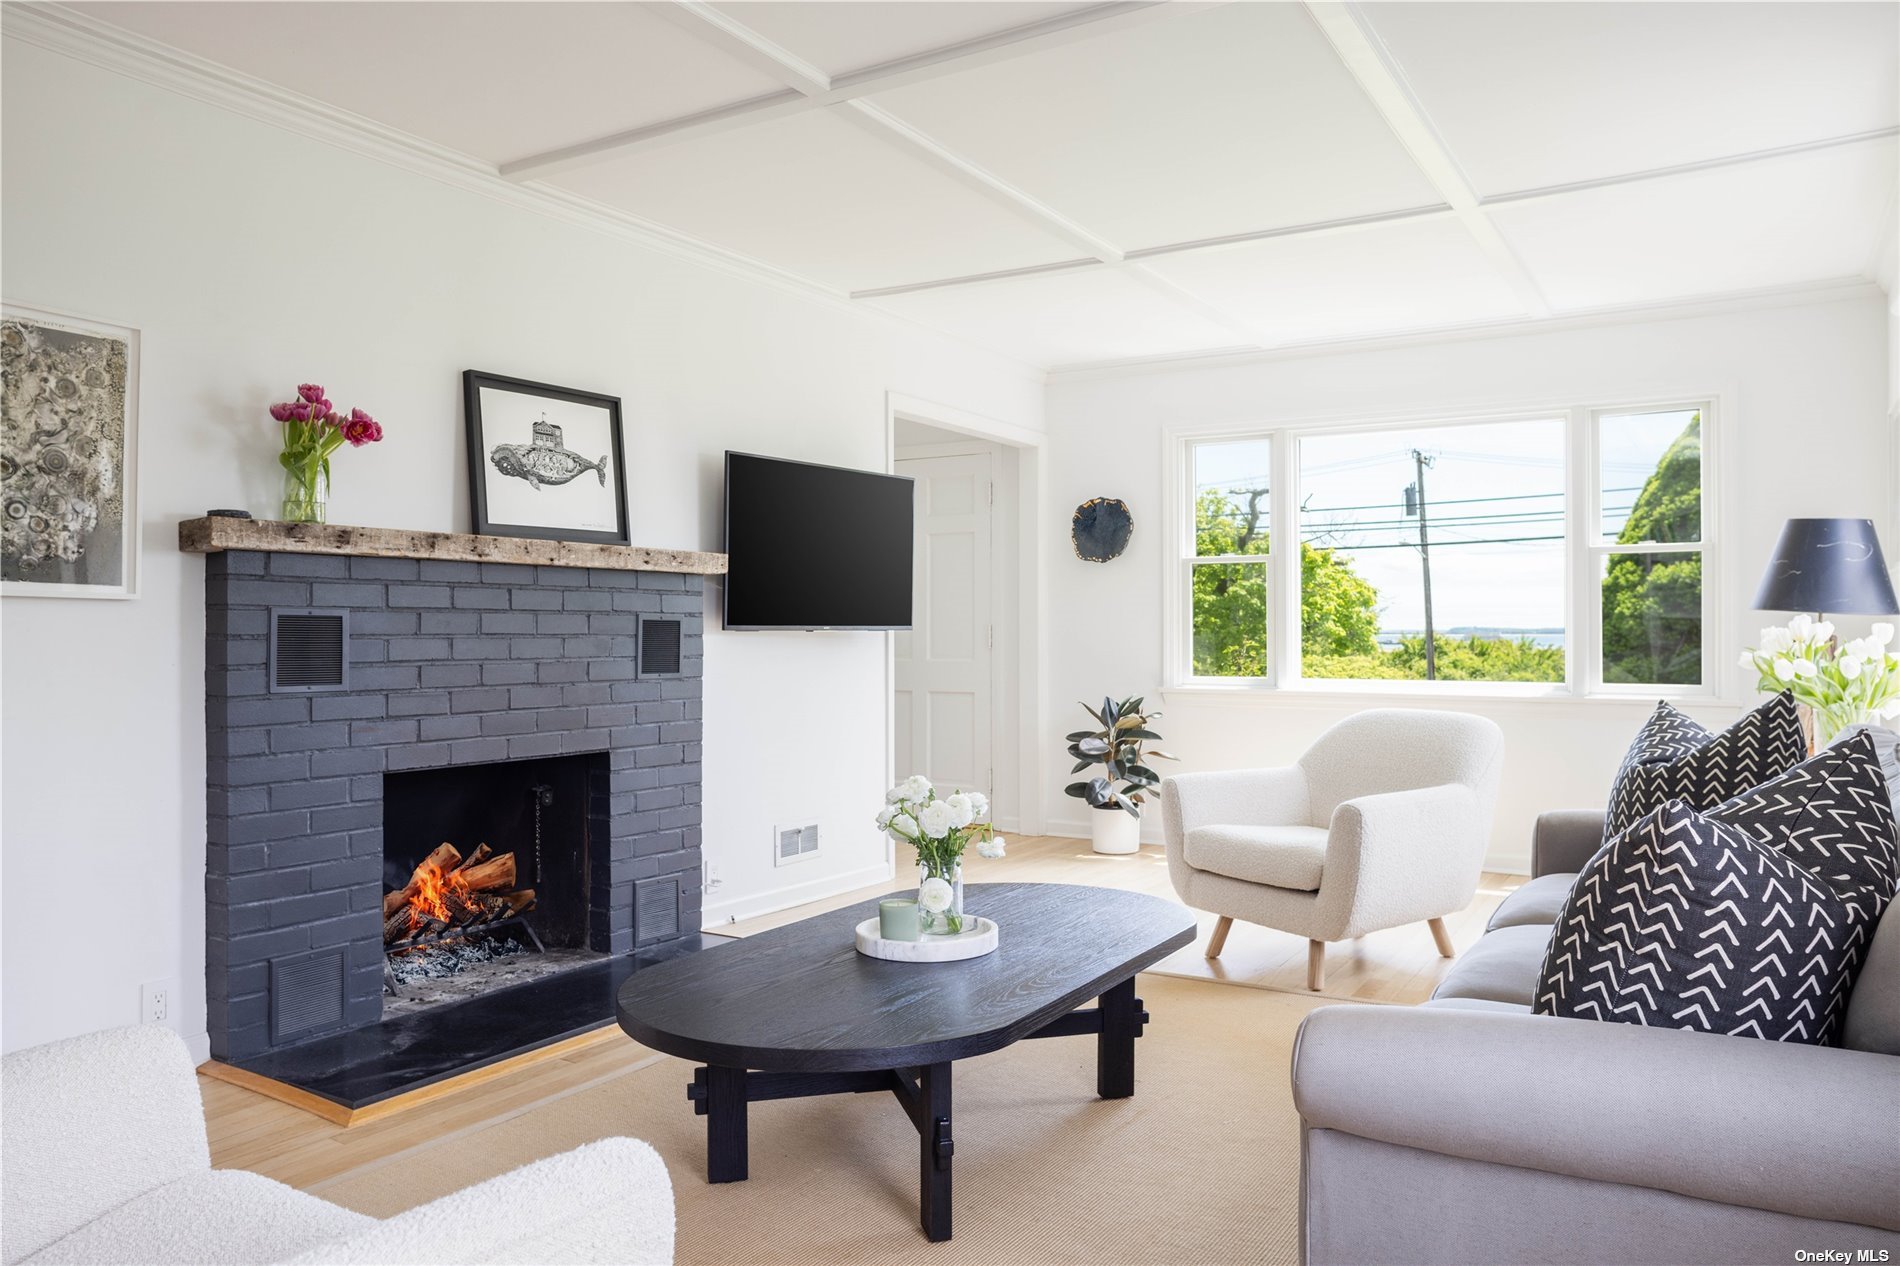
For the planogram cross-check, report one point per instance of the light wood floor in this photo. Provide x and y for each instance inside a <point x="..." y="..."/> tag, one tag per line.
<point x="249" y="1131"/>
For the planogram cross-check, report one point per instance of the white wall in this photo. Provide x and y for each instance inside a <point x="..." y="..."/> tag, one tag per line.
<point x="1802" y="400"/>
<point x="252" y="259"/>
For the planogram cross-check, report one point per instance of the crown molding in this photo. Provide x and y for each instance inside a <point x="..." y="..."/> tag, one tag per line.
<point x="83" y="38"/>
<point x="1836" y="290"/>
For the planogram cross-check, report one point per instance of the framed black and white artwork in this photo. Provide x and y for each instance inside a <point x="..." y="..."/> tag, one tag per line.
<point x="544" y="461"/>
<point x="68" y="456"/>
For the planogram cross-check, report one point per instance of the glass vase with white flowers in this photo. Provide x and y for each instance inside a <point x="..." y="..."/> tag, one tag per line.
<point x="1841" y="683"/>
<point x="939" y="828"/>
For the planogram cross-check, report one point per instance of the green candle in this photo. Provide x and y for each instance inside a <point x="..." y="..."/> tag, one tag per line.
<point x="897" y="919"/>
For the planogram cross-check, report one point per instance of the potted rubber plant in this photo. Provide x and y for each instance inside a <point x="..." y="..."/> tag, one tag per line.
<point x="1125" y="781"/>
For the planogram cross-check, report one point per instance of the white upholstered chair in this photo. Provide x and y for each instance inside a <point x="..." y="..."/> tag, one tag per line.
<point x="106" y="1161"/>
<point x="1382" y="822"/>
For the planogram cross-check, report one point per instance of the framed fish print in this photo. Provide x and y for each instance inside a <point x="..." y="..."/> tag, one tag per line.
<point x="544" y="461"/>
<point x="69" y="403"/>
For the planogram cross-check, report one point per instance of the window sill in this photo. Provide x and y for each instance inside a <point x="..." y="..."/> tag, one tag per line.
<point x="1464" y="691"/>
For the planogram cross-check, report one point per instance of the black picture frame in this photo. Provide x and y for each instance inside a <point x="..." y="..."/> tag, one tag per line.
<point x="489" y="519"/>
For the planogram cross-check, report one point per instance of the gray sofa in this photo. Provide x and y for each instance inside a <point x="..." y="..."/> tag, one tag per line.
<point x="1468" y="1130"/>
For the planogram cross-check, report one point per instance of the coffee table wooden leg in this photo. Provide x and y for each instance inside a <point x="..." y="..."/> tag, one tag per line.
<point x="726" y="1150"/>
<point x="935" y="1149"/>
<point x="1115" y="1044"/>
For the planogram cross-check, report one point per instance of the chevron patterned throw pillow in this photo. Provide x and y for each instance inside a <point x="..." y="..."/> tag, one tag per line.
<point x="1674" y="758"/>
<point x="1750" y="918"/>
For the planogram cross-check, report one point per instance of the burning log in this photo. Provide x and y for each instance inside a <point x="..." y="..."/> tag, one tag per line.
<point x="481" y="854"/>
<point x="447" y="892"/>
<point x="498" y="872"/>
<point x="442" y="860"/>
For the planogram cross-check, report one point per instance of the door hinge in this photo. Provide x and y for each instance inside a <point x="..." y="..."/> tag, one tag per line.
<point x="992" y="487"/>
<point x="989" y="637"/>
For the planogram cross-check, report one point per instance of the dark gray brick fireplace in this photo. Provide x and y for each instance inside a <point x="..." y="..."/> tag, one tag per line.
<point x="448" y="664"/>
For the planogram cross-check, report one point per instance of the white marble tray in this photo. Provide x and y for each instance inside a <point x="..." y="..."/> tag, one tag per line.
<point x="977" y="939"/>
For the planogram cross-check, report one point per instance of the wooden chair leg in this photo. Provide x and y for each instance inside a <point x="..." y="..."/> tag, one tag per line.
<point x="1316" y="965"/>
<point x="1219" y="940"/>
<point x="1440" y="935"/>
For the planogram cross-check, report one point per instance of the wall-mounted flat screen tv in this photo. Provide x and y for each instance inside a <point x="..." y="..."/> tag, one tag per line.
<point x="816" y="547"/>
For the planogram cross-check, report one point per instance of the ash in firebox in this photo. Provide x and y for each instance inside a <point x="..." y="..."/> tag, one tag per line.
<point x="440" y="962"/>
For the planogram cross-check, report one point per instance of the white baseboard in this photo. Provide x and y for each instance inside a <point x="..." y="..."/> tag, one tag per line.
<point x="199" y="1044"/>
<point x="716" y="914"/>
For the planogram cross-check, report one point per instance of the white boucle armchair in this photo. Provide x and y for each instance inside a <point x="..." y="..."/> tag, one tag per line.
<point x="1383" y="821"/>
<point x="105" y="1161"/>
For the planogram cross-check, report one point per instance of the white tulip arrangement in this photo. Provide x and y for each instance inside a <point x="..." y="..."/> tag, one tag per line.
<point x="939" y="828"/>
<point x="1845" y="683"/>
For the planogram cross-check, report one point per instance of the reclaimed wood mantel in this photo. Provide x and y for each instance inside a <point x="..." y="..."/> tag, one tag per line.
<point x="211" y="535"/>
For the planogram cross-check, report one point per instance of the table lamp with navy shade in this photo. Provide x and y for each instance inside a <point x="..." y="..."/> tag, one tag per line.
<point x="1828" y="567"/>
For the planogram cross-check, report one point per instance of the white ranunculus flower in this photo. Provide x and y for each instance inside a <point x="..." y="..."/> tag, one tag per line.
<point x="905" y="825"/>
<point x="1882" y="634"/>
<point x="895" y="795"/>
<point x="1784" y="669"/>
<point x="916" y="787"/>
<point x="1850" y="666"/>
<point x="1800" y="628"/>
<point x="992" y="847"/>
<point x="936" y="820"/>
<point x="885" y="815"/>
<point x="962" y="812"/>
<point x="934" y="895"/>
<point x="1802" y="668"/>
<point x="979" y="803"/>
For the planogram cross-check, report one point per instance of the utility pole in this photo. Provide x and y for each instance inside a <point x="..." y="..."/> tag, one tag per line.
<point x="1415" y="504"/>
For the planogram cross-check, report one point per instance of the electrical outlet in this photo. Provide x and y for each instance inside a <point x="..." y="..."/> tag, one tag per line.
<point x="155" y="1000"/>
<point x="713" y="879"/>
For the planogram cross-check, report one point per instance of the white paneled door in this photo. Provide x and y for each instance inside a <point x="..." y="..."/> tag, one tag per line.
<point x="943" y="665"/>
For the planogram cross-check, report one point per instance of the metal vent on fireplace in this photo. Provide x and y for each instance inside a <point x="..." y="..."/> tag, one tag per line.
<point x="659" y="647"/>
<point x="309" y="650"/>
<point x="656" y="908"/>
<point x="306" y="993"/>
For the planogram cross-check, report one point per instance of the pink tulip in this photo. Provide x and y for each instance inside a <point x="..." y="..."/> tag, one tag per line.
<point x="281" y="412"/>
<point x="361" y="429"/>
<point x="310" y="393"/>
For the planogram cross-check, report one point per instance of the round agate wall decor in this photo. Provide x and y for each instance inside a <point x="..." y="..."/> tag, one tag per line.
<point x="1101" y="528"/>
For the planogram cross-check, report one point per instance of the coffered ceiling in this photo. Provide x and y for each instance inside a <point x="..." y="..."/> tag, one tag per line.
<point x="1079" y="184"/>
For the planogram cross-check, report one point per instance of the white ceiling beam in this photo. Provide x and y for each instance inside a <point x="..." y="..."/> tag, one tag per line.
<point x="807" y="88"/>
<point x="1367" y="60"/>
<point x="747" y="113"/>
<point x="887" y="127"/>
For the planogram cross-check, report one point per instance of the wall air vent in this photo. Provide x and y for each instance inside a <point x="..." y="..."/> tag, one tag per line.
<point x="309" y="650"/>
<point x="306" y="993"/>
<point x="795" y="843"/>
<point x="659" y="646"/>
<point x="656" y="908"/>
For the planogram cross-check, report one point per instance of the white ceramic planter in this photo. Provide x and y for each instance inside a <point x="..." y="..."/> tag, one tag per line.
<point x="1116" y="831"/>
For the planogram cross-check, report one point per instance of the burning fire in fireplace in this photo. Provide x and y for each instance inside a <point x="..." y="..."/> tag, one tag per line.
<point x="451" y="893"/>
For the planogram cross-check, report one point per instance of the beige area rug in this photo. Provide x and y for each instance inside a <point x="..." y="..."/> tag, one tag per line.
<point x="1201" y="1166"/>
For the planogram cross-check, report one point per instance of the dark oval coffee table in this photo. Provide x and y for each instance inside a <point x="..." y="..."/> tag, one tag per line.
<point x="798" y="1011"/>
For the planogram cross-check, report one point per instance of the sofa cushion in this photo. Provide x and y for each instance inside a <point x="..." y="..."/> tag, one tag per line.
<point x="1873" y="1013"/>
<point x="1686" y="921"/>
<point x="1535" y="903"/>
<point x="213" y="1217"/>
<point x="1280" y="856"/>
<point x="1476" y="1004"/>
<point x="1674" y="758"/>
<point x="1501" y="967"/>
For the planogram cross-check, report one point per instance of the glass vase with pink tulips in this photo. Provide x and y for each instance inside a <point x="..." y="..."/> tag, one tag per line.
<point x="312" y="431"/>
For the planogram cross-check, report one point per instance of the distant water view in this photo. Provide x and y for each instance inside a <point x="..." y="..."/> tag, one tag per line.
<point x="1390" y="639"/>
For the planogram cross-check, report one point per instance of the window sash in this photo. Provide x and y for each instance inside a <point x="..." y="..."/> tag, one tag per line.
<point x="1584" y="555"/>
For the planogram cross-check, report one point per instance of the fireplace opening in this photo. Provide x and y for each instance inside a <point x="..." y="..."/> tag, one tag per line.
<point x="486" y="875"/>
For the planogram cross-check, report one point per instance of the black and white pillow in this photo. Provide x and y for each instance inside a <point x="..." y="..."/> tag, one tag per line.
<point x="1750" y="919"/>
<point x="1674" y="758"/>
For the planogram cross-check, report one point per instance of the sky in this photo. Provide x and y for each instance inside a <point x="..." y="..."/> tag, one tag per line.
<point x="1486" y="481"/>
